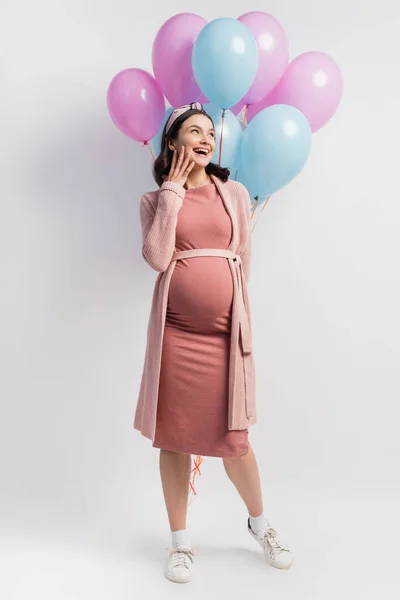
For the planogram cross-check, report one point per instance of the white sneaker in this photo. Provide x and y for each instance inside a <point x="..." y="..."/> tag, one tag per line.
<point x="179" y="565"/>
<point x="277" y="554"/>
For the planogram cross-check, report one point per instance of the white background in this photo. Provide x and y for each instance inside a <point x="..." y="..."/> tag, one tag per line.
<point x="82" y="511"/>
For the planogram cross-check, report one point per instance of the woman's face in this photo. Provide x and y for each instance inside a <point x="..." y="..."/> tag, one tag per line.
<point x="198" y="136"/>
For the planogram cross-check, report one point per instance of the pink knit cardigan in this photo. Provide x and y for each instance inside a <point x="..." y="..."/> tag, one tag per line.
<point x="159" y="214"/>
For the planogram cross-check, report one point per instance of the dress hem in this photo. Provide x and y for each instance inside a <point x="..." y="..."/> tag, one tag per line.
<point x="201" y="453"/>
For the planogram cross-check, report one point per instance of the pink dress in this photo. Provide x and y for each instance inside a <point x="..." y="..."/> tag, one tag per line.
<point x="192" y="411"/>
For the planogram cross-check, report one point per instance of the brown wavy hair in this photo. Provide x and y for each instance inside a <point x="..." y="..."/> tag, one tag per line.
<point x="162" y="164"/>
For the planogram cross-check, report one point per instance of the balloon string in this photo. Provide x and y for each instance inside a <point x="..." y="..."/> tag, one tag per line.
<point x="242" y="116"/>
<point x="222" y="134"/>
<point x="259" y="214"/>
<point x="254" y="206"/>
<point x="151" y="150"/>
<point x="196" y="470"/>
<point x="246" y="108"/>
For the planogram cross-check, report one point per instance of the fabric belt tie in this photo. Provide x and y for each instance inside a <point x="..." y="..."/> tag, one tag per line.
<point x="239" y="282"/>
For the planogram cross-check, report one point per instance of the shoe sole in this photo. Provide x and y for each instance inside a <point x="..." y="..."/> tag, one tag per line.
<point x="176" y="580"/>
<point x="281" y="567"/>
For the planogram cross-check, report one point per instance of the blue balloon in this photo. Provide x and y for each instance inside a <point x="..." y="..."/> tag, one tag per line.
<point x="231" y="137"/>
<point x="156" y="141"/>
<point x="275" y="147"/>
<point x="225" y="61"/>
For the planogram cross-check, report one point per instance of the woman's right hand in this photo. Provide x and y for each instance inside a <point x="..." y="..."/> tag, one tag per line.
<point x="180" y="167"/>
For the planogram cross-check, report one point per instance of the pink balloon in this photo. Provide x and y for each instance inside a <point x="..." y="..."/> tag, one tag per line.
<point x="203" y="99"/>
<point x="273" y="49"/>
<point x="172" y="58"/>
<point x="312" y="83"/>
<point x="237" y="109"/>
<point x="136" y="104"/>
<point x="269" y="100"/>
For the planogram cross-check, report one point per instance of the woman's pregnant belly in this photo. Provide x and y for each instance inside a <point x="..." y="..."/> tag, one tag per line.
<point x="201" y="295"/>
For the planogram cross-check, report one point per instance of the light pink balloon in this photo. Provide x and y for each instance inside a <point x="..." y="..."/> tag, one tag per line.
<point x="203" y="99"/>
<point x="237" y="109"/>
<point x="312" y="83"/>
<point x="172" y="58"/>
<point x="269" y="100"/>
<point x="273" y="50"/>
<point x="136" y="104"/>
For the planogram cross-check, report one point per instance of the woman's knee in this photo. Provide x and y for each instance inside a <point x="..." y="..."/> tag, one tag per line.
<point x="238" y="458"/>
<point x="173" y="454"/>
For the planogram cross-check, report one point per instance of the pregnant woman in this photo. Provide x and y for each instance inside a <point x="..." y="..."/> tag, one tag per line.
<point x="197" y="393"/>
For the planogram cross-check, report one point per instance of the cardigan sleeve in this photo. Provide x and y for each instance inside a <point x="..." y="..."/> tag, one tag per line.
<point x="159" y="223"/>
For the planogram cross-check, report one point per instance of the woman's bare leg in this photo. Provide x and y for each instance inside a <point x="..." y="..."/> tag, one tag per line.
<point x="175" y="469"/>
<point x="243" y="472"/>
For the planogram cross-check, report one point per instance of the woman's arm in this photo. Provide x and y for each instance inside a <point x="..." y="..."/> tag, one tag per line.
<point x="158" y="226"/>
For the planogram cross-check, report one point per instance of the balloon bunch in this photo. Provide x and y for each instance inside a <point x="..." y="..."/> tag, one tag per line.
<point x="265" y="108"/>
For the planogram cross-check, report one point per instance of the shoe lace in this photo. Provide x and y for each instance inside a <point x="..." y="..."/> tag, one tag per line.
<point x="272" y="543"/>
<point x="180" y="556"/>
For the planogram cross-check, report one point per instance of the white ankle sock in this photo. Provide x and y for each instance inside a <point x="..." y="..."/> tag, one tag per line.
<point x="258" y="524"/>
<point x="180" y="539"/>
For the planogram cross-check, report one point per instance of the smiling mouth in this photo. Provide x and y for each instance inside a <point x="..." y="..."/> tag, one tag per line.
<point x="201" y="151"/>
